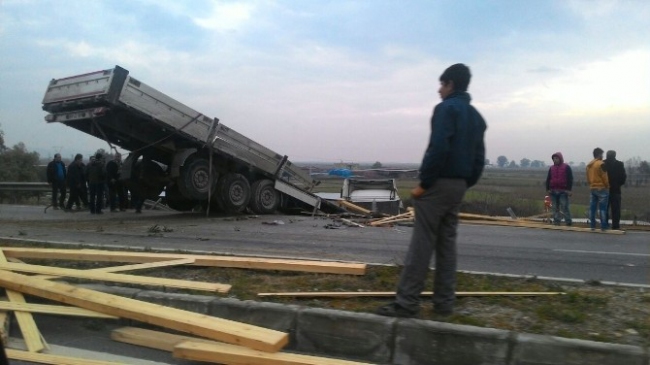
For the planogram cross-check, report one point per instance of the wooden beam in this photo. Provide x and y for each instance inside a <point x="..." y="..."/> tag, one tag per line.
<point x="176" y="319"/>
<point x="328" y="267"/>
<point x="409" y="214"/>
<point x="31" y="334"/>
<point x="52" y="309"/>
<point x="54" y="359"/>
<point x="229" y="354"/>
<point x="145" y="266"/>
<point x="524" y="224"/>
<point x="117" y="278"/>
<point x="349" y="206"/>
<point x="392" y="294"/>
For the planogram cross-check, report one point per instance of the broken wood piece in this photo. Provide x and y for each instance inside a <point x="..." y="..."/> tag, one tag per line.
<point x="54" y="359"/>
<point x="392" y="294"/>
<point x="351" y="223"/>
<point x="346" y="204"/>
<point x="409" y="214"/>
<point x="394" y="221"/>
<point x="144" y="266"/>
<point x="52" y="309"/>
<point x="214" y="328"/>
<point x="525" y="224"/>
<point x="31" y="335"/>
<point x="327" y="267"/>
<point x="117" y="278"/>
<point x="229" y="354"/>
<point x="484" y="217"/>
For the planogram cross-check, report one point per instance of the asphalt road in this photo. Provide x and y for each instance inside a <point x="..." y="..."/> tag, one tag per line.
<point x="494" y="249"/>
<point x="504" y="250"/>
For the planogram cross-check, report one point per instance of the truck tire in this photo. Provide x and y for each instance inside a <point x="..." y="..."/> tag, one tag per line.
<point x="148" y="179"/>
<point x="233" y="193"/>
<point x="265" y="199"/>
<point x="194" y="180"/>
<point x="175" y="200"/>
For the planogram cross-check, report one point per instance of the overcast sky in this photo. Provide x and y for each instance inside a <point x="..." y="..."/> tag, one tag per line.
<point x="352" y="81"/>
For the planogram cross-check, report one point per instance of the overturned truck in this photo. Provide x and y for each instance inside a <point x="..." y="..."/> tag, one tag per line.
<point x="193" y="158"/>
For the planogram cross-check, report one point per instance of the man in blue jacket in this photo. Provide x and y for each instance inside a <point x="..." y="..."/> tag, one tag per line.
<point x="56" y="176"/>
<point x="453" y="162"/>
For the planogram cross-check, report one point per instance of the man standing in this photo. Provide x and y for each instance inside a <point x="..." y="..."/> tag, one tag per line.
<point x="56" y="176"/>
<point x="453" y="162"/>
<point x="599" y="187"/>
<point x="75" y="180"/>
<point x="559" y="182"/>
<point x="116" y="189"/>
<point x="617" y="176"/>
<point x="96" y="182"/>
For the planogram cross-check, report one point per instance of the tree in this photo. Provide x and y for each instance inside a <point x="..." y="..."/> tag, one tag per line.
<point x="525" y="163"/>
<point x="2" y="140"/>
<point x="513" y="164"/>
<point x="537" y="164"/>
<point x="487" y="161"/>
<point x="502" y="161"/>
<point x="18" y="164"/>
<point x="377" y="165"/>
<point x="644" y="167"/>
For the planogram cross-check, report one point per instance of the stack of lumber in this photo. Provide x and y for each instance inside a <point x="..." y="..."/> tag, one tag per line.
<point x="214" y="339"/>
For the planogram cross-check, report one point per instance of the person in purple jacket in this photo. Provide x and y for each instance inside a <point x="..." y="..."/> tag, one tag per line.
<point x="559" y="183"/>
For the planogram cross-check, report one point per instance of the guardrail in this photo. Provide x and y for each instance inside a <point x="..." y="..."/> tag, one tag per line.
<point x="36" y="187"/>
<point x="15" y="191"/>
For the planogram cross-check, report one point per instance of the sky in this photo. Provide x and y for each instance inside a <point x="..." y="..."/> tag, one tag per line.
<point x="352" y="81"/>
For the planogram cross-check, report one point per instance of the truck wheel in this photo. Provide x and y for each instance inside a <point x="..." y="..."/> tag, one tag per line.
<point x="175" y="200"/>
<point x="233" y="193"/>
<point x="194" y="180"/>
<point x="149" y="179"/>
<point x="265" y="199"/>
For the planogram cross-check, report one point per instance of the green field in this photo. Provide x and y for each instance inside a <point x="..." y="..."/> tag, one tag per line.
<point x="523" y="190"/>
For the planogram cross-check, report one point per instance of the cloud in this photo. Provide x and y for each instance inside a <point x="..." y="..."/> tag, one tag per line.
<point x="226" y="16"/>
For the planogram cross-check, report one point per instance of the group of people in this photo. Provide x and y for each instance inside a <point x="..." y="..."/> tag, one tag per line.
<point x="605" y="178"/>
<point x="94" y="185"/>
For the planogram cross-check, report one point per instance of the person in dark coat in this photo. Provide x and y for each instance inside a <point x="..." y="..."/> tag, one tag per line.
<point x="75" y="180"/>
<point x="452" y="163"/>
<point x="96" y="183"/>
<point x="617" y="176"/>
<point x="116" y="189"/>
<point x="56" y="176"/>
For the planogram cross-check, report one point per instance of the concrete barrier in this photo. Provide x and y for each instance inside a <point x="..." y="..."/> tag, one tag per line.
<point x="383" y="340"/>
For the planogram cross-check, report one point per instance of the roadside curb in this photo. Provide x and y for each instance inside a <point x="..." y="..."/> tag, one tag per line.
<point x="384" y="340"/>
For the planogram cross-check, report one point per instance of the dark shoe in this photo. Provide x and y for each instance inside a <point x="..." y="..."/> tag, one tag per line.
<point x="99" y="212"/>
<point x="443" y="311"/>
<point x="396" y="310"/>
<point x="67" y="210"/>
<point x="569" y="224"/>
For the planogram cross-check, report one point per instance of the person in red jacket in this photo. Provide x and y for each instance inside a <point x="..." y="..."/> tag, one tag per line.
<point x="559" y="183"/>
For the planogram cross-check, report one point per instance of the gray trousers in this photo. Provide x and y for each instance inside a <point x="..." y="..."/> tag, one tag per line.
<point x="436" y="222"/>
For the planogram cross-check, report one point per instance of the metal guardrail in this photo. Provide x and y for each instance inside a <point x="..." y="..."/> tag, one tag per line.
<point x="35" y="187"/>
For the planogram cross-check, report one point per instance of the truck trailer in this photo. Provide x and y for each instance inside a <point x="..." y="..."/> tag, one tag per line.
<point x="191" y="157"/>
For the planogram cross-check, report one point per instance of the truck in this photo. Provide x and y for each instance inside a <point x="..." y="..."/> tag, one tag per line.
<point x="191" y="158"/>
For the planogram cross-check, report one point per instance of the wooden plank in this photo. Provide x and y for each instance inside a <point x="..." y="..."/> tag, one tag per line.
<point x="133" y="267"/>
<point x="351" y="223"/>
<point x="31" y="334"/>
<point x="117" y="278"/>
<point x="54" y="359"/>
<point x="328" y="267"/>
<point x="333" y="294"/>
<point x="409" y="214"/>
<point x="524" y="224"/>
<point x="177" y="319"/>
<point x="349" y="206"/>
<point x="52" y="309"/>
<point x="229" y="354"/>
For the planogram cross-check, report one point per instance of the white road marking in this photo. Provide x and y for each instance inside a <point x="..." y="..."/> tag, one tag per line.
<point x="605" y="253"/>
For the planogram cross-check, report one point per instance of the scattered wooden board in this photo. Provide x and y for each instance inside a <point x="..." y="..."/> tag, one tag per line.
<point x="30" y="332"/>
<point x="257" y="338"/>
<point x="54" y="359"/>
<point x="350" y="206"/>
<point x="145" y="266"/>
<point x="525" y="224"/>
<point x="168" y="342"/>
<point x="392" y="294"/>
<point x="117" y="278"/>
<point x="52" y="309"/>
<point x="329" y="267"/>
